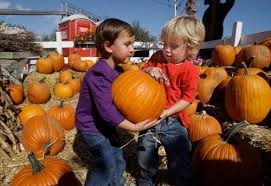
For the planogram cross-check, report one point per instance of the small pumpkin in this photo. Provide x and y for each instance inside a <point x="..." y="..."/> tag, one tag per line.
<point x="202" y="125"/>
<point x="57" y="60"/>
<point x="79" y="66"/>
<point x="206" y="88"/>
<point x="16" y="93"/>
<point x="72" y="58"/>
<point x="75" y="85"/>
<point x="138" y="96"/>
<point x="223" y="55"/>
<point x="216" y="73"/>
<point x="43" y="136"/>
<point x="65" y="76"/>
<point x="38" y="92"/>
<point x="44" y="65"/>
<point x="64" y="113"/>
<point x="63" y="90"/>
<point x="29" y="111"/>
<point x="50" y="171"/>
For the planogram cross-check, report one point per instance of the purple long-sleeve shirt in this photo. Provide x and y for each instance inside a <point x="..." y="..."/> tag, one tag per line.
<point x="95" y="110"/>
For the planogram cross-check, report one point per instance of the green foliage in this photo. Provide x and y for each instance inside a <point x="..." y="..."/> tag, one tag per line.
<point x="141" y="34"/>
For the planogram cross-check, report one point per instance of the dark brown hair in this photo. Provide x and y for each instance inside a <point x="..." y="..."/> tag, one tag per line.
<point x="108" y="30"/>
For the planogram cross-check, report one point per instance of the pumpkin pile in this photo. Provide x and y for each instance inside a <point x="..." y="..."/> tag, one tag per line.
<point x="234" y="88"/>
<point x="47" y="100"/>
<point x="238" y="83"/>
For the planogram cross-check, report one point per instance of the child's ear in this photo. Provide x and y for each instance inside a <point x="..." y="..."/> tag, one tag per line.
<point x="107" y="46"/>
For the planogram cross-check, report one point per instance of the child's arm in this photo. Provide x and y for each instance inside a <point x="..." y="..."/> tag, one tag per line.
<point x="174" y="109"/>
<point x="140" y="126"/>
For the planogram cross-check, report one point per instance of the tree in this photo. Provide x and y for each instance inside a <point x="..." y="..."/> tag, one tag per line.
<point x="49" y="37"/>
<point x="141" y="34"/>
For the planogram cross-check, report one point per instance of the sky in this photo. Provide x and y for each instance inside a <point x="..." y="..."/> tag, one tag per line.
<point x="151" y="14"/>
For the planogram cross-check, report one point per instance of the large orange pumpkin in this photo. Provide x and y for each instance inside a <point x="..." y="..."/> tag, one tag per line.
<point x="43" y="136"/>
<point x="138" y="96"/>
<point x="50" y="171"/>
<point x="247" y="97"/>
<point x="220" y="161"/>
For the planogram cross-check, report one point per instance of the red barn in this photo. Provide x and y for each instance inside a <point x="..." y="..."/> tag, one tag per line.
<point x="72" y="28"/>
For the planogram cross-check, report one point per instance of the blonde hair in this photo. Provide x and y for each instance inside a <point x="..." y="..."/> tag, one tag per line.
<point x="187" y="28"/>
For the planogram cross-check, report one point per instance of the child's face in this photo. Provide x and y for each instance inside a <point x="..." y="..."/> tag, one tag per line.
<point x="122" y="48"/>
<point x="175" y="50"/>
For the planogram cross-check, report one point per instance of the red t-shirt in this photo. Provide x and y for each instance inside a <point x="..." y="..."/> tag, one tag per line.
<point x="183" y="78"/>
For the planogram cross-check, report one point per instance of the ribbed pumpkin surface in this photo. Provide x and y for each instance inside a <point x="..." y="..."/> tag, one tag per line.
<point x="217" y="162"/>
<point x="138" y="96"/>
<point x="248" y="97"/>
<point x="43" y="135"/>
<point x="54" y="171"/>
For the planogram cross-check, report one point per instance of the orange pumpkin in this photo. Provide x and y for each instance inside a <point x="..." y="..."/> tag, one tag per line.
<point x="89" y="62"/>
<point x="202" y="125"/>
<point x="138" y="96"/>
<point x="63" y="90"/>
<point x="57" y="61"/>
<point x="16" y="93"/>
<point x="28" y="111"/>
<point x="251" y="71"/>
<point x="43" y="136"/>
<point x="227" y="162"/>
<point x="216" y="73"/>
<point x="79" y="66"/>
<point x="257" y="56"/>
<point x="223" y="55"/>
<point x="73" y="57"/>
<point x="44" y="66"/>
<point x="206" y="88"/>
<point x="50" y="171"/>
<point x="65" y="76"/>
<point x="64" y="113"/>
<point x="75" y="85"/>
<point x="247" y="97"/>
<point x="38" y="92"/>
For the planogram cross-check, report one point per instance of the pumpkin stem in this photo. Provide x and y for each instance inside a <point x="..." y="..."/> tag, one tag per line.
<point x="233" y="130"/>
<point x="61" y="104"/>
<point x="36" y="165"/>
<point x="42" y="80"/>
<point x="246" y="69"/>
<point x="203" y="112"/>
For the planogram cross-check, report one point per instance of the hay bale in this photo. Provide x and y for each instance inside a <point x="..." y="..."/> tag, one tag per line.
<point x="51" y="80"/>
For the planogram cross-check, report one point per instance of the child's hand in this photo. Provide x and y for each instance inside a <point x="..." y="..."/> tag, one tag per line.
<point x="158" y="75"/>
<point x="143" y="125"/>
<point x="164" y="115"/>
